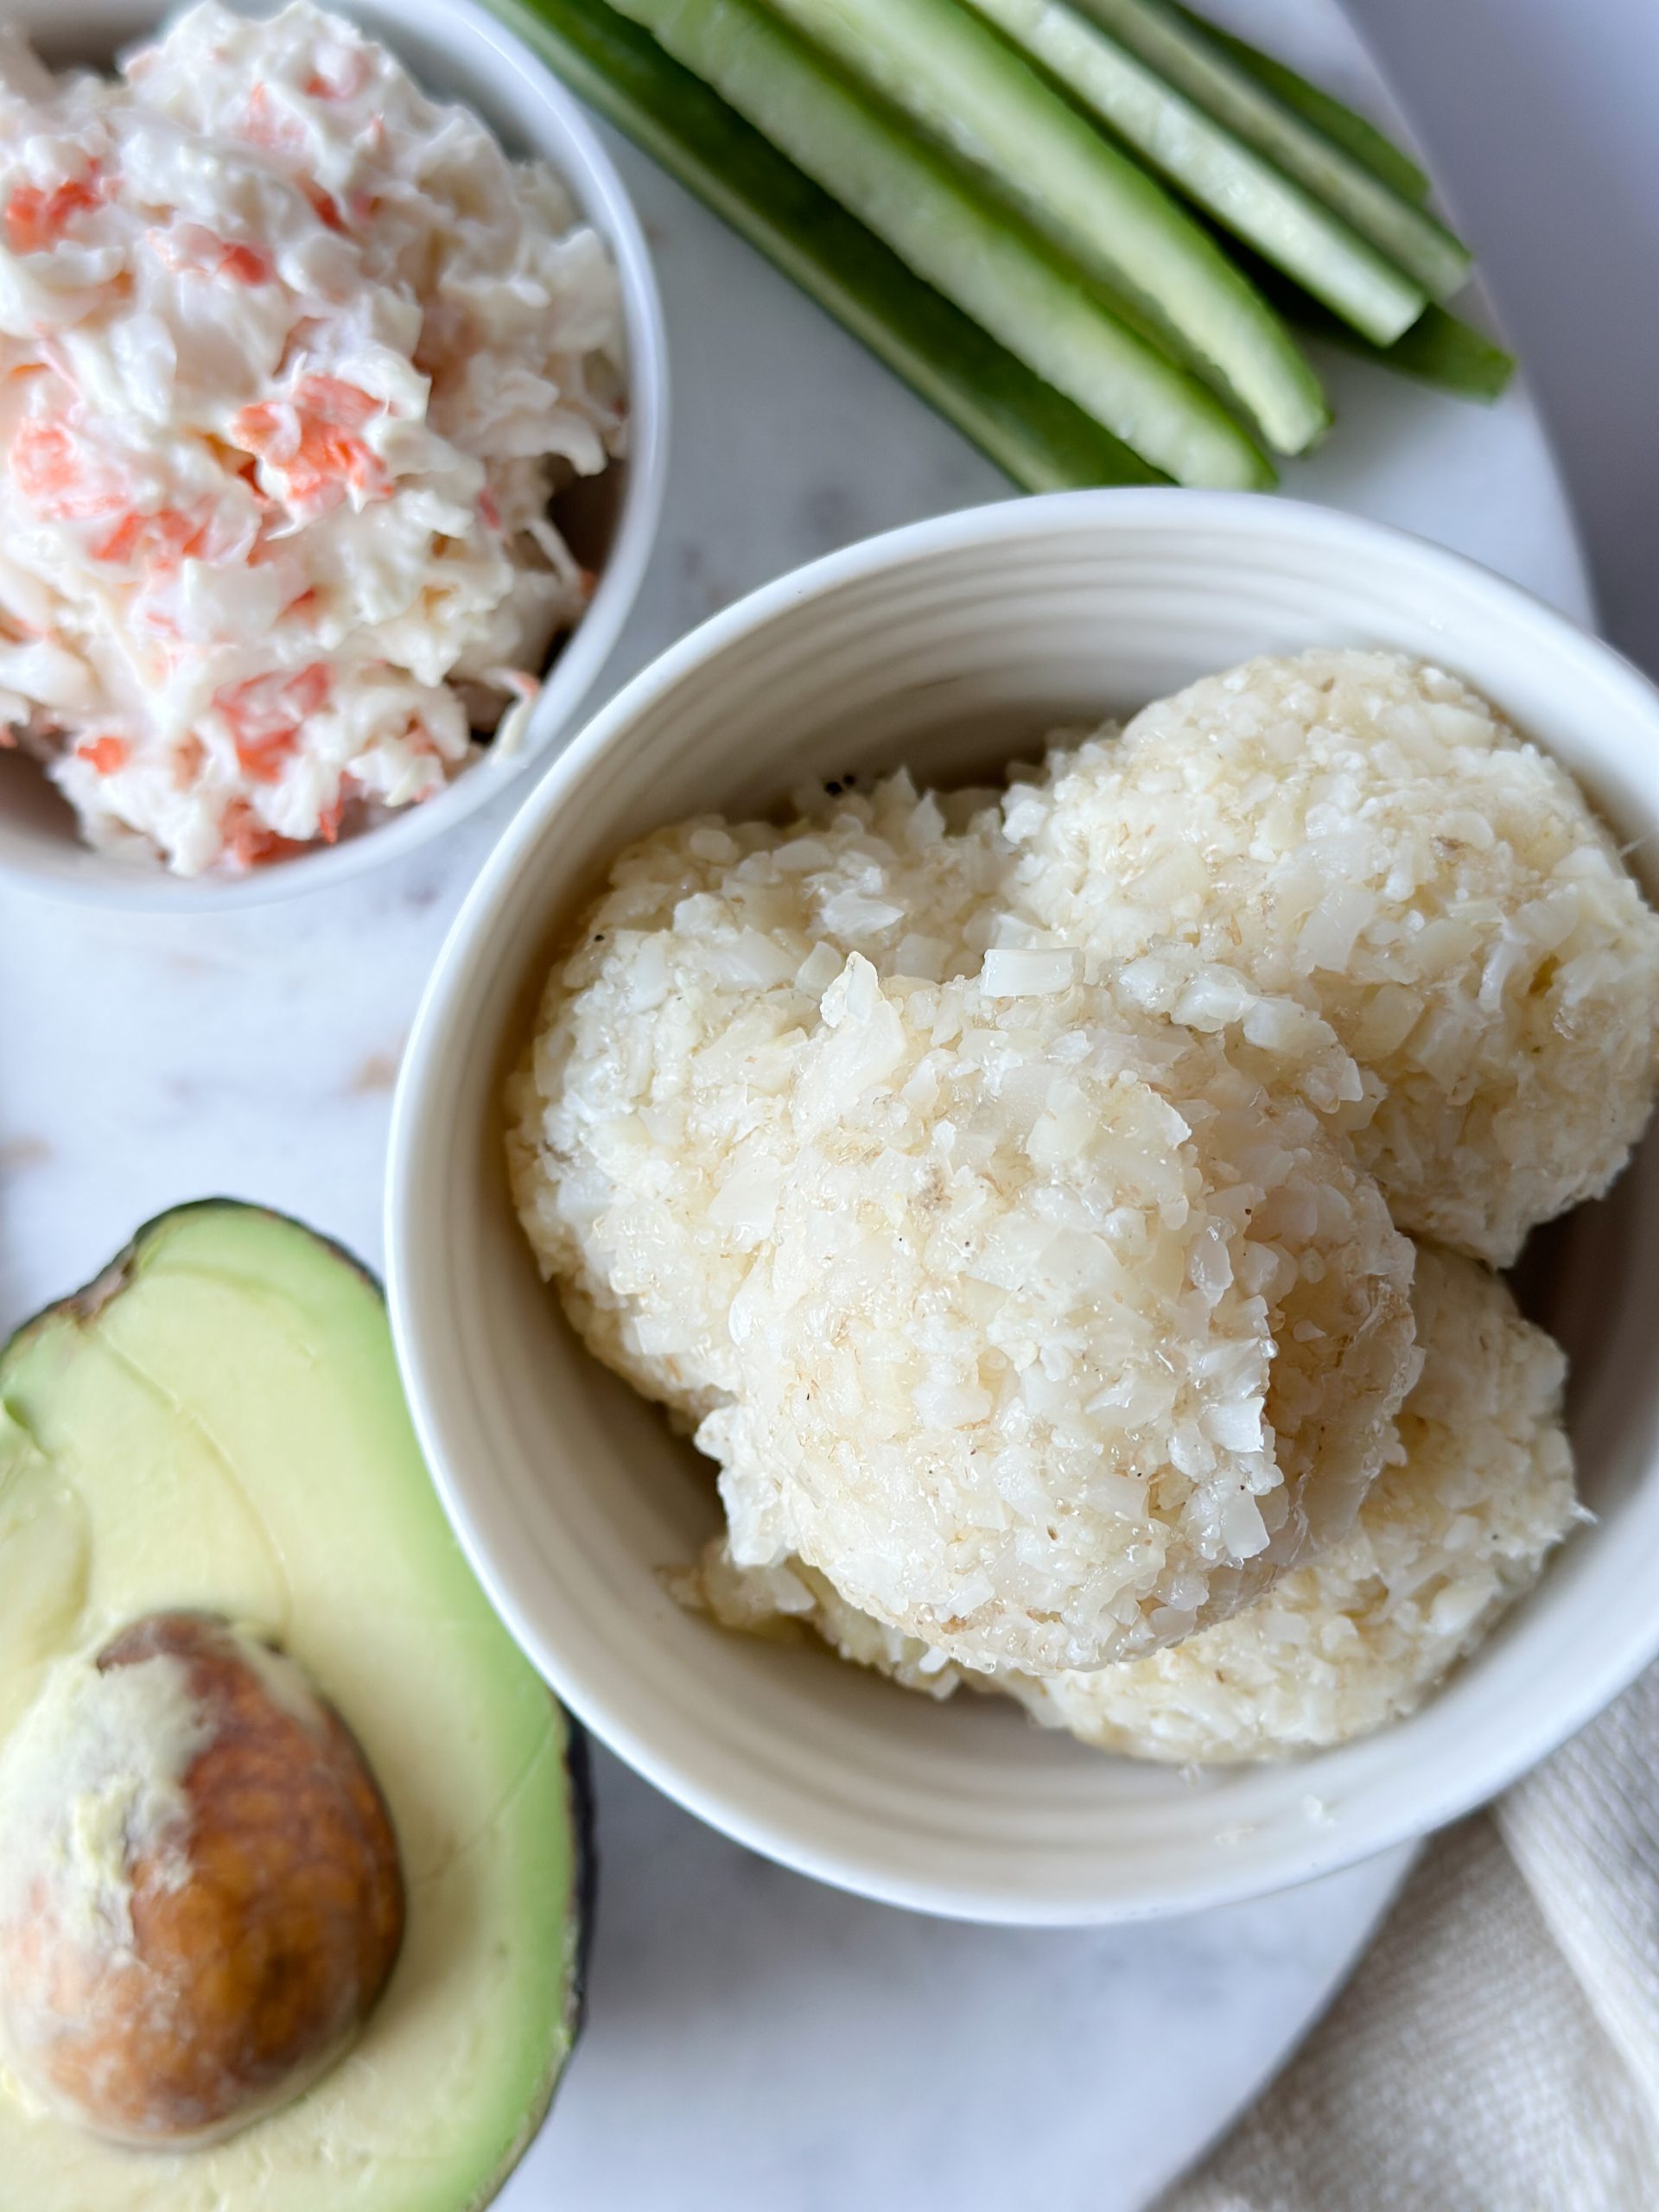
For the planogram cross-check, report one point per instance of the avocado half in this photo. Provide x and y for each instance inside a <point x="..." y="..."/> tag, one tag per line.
<point x="216" y="1424"/>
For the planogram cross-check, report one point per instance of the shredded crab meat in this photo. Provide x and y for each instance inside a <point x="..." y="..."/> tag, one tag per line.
<point x="292" y="361"/>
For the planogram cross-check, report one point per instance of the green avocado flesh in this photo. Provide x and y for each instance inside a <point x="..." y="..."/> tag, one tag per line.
<point x="218" y="1424"/>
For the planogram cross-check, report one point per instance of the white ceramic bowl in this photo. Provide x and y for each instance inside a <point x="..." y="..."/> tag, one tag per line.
<point x="458" y="51"/>
<point x="951" y="644"/>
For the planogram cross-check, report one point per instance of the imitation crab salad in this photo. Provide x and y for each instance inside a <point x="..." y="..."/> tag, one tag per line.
<point x="292" y="361"/>
<point x="1069" y="1215"/>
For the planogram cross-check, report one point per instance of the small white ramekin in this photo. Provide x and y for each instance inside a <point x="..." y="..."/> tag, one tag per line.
<point x="459" y="51"/>
<point x="953" y="644"/>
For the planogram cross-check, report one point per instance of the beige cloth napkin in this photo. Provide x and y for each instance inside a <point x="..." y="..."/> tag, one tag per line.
<point x="1498" y="2049"/>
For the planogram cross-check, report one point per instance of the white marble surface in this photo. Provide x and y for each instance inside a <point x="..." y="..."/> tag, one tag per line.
<point x="755" y="2040"/>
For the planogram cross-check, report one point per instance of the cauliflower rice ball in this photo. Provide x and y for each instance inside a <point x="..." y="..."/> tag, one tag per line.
<point x="292" y="360"/>
<point x="1451" y="1534"/>
<point x="1065" y="1336"/>
<point x="1363" y="834"/>
<point x="1457" y="1528"/>
<point x="1038" y="1326"/>
<point x="667" y="1037"/>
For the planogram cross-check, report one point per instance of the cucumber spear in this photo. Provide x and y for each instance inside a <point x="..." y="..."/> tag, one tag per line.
<point x="1042" y="439"/>
<point x="977" y="254"/>
<point x="938" y="63"/>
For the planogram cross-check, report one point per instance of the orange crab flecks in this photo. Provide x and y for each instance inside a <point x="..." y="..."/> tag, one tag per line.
<point x="189" y="758"/>
<point x="267" y="713"/>
<point x="198" y="251"/>
<point x="310" y="441"/>
<point x="420" y="741"/>
<point x="325" y="208"/>
<point x="248" y="842"/>
<point x="247" y="265"/>
<point x="36" y="220"/>
<point x="264" y="758"/>
<point x="156" y="543"/>
<point x="104" y="755"/>
<point x="329" y="819"/>
<point x="262" y="126"/>
<point x="332" y="400"/>
<point x="352" y="74"/>
<point x="61" y="478"/>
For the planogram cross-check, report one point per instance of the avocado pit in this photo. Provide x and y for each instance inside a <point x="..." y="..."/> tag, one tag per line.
<point x="200" y="1893"/>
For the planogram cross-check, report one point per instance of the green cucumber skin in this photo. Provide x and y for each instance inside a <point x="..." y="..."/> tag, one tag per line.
<point x="1343" y="125"/>
<point x="946" y="68"/>
<point x="1188" y="58"/>
<point x="1043" y="440"/>
<point x="1439" y="349"/>
<point x="1207" y="163"/>
<point x="910" y="196"/>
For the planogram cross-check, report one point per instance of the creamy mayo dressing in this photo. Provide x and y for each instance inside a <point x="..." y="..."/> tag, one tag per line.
<point x="291" y="360"/>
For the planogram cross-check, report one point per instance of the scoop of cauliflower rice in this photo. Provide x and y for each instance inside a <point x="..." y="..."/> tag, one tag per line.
<point x="1015" y="1308"/>
<point x="667" y="1039"/>
<point x="1452" y="1532"/>
<point x="1363" y="834"/>
<point x="1063" y="1337"/>
<point x="1449" y="1538"/>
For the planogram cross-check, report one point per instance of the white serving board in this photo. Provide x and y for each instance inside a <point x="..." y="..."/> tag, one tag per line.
<point x="756" y="2044"/>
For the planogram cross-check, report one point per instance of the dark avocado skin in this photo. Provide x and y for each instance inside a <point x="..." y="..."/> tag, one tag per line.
<point x="87" y="1301"/>
<point x="92" y="1296"/>
<point x="579" y="1765"/>
<point x="119" y="1267"/>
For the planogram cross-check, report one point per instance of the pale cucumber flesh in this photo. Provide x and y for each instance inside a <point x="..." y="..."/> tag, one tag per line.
<point x="949" y="72"/>
<point x="1172" y="44"/>
<point x="1044" y="440"/>
<point x="1006" y="280"/>
<point x="1206" y="162"/>
<point x="1354" y="133"/>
